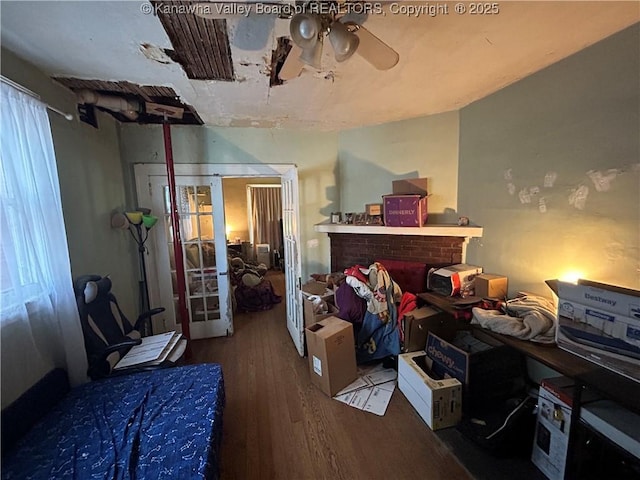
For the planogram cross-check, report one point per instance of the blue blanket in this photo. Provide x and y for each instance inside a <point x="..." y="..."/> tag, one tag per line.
<point x="163" y="424"/>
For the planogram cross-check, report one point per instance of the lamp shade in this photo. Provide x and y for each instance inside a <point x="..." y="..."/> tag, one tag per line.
<point x="134" y="217"/>
<point x="344" y="42"/>
<point x="149" y="221"/>
<point x="305" y="30"/>
<point x="120" y="221"/>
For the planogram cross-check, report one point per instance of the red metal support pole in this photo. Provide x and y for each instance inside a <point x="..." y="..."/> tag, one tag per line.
<point x="177" y="240"/>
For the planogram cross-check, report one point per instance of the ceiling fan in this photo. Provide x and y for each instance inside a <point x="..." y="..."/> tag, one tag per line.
<point x="310" y="23"/>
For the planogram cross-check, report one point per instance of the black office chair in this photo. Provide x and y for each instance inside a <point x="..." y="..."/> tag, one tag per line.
<point x="108" y="333"/>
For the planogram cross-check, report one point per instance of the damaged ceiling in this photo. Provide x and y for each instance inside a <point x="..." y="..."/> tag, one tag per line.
<point x="140" y="96"/>
<point x="224" y="69"/>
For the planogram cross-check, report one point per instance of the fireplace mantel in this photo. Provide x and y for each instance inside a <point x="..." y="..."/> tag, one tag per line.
<point x="433" y="244"/>
<point x="433" y="230"/>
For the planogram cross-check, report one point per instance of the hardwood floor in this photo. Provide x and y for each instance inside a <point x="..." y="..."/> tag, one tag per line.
<point x="277" y="425"/>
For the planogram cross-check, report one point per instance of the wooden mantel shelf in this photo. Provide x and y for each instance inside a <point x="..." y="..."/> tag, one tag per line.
<point x="426" y="231"/>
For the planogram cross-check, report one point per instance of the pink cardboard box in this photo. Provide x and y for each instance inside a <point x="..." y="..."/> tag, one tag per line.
<point x="405" y="210"/>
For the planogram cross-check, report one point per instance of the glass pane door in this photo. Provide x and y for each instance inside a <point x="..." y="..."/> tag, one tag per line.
<point x="199" y="202"/>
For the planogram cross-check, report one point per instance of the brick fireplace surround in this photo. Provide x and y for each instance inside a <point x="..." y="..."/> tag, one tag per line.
<point x="349" y="249"/>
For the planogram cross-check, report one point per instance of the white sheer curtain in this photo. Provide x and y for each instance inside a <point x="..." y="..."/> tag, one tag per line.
<point x="39" y="322"/>
<point x="266" y="212"/>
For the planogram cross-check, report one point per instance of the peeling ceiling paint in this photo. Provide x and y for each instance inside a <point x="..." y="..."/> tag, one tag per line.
<point x="446" y="61"/>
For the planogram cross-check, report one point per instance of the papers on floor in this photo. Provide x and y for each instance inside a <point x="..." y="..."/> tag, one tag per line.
<point x="372" y="391"/>
<point x="152" y="351"/>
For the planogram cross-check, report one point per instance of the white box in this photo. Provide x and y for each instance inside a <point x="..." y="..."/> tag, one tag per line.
<point x="623" y="301"/>
<point x="438" y="402"/>
<point x="263" y="254"/>
<point x="551" y="440"/>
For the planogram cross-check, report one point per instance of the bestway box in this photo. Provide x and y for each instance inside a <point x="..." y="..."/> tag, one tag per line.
<point x="332" y="355"/>
<point x="601" y="323"/>
<point x="438" y="402"/>
<point x="405" y="210"/>
<point x="610" y="298"/>
<point x="410" y="186"/>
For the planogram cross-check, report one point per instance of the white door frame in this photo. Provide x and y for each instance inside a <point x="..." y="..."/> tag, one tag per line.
<point x="142" y="172"/>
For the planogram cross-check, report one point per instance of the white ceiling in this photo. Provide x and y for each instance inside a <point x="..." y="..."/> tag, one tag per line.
<point x="446" y="61"/>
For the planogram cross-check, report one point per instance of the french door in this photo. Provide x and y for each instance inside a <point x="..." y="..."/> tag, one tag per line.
<point x="292" y="260"/>
<point x="196" y="184"/>
<point x="200" y="204"/>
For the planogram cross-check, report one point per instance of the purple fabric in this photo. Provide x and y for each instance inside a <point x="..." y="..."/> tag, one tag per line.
<point x="351" y="307"/>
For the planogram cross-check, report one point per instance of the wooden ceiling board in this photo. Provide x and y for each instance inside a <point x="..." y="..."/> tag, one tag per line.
<point x="201" y="45"/>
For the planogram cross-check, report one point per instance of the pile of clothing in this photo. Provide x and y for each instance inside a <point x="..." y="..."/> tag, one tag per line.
<point x="374" y="303"/>
<point x="251" y="291"/>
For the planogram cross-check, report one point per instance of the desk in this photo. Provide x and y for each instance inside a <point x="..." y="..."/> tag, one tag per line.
<point x="587" y="375"/>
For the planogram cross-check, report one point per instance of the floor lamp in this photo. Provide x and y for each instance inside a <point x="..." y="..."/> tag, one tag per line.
<point x="139" y="223"/>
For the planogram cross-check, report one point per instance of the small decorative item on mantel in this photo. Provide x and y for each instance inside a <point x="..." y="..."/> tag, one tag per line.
<point x="374" y="220"/>
<point x="360" y="218"/>
<point x="348" y="218"/>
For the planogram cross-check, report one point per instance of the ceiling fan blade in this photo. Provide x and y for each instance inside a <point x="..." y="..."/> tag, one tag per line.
<point x="375" y="51"/>
<point x="292" y="66"/>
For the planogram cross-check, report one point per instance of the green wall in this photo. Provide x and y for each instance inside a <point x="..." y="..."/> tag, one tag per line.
<point x="572" y="120"/>
<point x="91" y="185"/>
<point x="313" y="152"/>
<point x="372" y="157"/>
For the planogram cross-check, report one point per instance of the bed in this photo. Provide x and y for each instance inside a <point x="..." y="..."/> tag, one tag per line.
<point x="162" y="424"/>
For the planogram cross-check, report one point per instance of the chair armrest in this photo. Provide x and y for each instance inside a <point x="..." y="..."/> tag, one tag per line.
<point x="130" y="342"/>
<point x="101" y="367"/>
<point x="146" y="316"/>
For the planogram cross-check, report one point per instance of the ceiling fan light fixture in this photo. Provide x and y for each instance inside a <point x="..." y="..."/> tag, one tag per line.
<point x="313" y="55"/>
<point x="344" y="42"/>
<point x="305" y="30"/>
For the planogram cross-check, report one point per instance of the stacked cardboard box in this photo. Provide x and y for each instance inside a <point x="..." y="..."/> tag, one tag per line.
<point x="407" y="206"/>
<point x="319" y="289"/>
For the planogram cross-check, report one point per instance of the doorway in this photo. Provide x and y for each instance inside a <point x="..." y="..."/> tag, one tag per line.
<point x="206" y="318"/>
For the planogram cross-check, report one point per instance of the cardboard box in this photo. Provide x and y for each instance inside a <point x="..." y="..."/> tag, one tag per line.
<point x="438" y="402"/>
<point x="601" y="323"/>
<point x="551" y="439"/>
<point x="313" y="287"/>
<point x="310" y="317"/>
<point x="405" y="210"/>
<point x="410" y="186"/>
<point x="490" y="286"/>
<point x="488" y="373"/>
<point x="332" y="355"/>
<point x="320" y="289"/>
<point x="590" y="343"/>
<point x="373" y="208"/>
<point x="609" y="298"/>
<point x="419" y="322"/>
